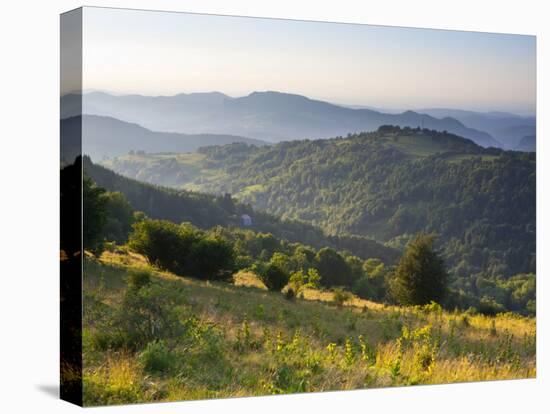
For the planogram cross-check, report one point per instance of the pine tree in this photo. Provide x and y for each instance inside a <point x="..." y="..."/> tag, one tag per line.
<point x="420" y="276"/>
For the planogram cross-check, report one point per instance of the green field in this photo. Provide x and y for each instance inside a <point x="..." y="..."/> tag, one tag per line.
<point x="176" y="338"/>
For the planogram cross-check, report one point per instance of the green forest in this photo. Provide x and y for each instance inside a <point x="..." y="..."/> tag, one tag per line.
<point x="366" y="195"/>
<point x="186" y="302"/>
<point x="398" y="257"/>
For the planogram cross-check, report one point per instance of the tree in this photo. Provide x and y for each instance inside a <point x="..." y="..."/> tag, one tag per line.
<point x="420" y="276"/>
<point x="303" y="257"/>
<point x="355" y="265"/>
<point x="332" y="268"/>
<point x="120" y="217"/>
<point x="372" y="285"/>
<point x="164" y="244"/>
<point x="211" y="258"/>
<point x="301" y="280"/>
<point x="94" y="215"/>
<point x="282" y="261"/>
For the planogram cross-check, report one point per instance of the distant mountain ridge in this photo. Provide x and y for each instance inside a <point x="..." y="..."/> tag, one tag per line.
<point x="506" y="127"/>
<point x="527" y="144"/>
<point x="109" y="137"/>
<point x="270" y="116"/>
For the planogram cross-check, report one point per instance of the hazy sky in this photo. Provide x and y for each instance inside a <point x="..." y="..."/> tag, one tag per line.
<point x="159" y="53"/>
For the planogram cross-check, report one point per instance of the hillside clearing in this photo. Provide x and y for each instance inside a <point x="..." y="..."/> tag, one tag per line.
<point x="213" y="339"/>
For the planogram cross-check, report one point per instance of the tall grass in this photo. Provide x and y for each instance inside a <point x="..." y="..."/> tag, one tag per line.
<point x="209" y="340"/>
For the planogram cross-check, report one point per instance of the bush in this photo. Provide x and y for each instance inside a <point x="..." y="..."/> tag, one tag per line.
<point x="148" y="312"/>
<point x="274" y="277"/>
<point x="340" y="296"/>
<point x="368" y="288"/>
<point x="290" y="294"/>
<point x="139" y="278"/>
<point x="300" y="280"/>
<point x="488" y="306"/>
<point x="183" y="249"/>
<point x="119" y="382"/>
<point x="156" y="358"/>
<point x="164" y="244"/>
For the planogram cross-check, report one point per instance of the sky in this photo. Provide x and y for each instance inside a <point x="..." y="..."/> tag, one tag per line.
<point x="160" y="53"/>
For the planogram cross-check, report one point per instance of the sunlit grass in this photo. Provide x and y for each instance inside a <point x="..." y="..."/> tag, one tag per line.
<point x="240" y="340"/>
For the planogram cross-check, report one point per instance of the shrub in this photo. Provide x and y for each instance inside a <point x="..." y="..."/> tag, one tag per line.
<point x="368" y="354"/>
<point x="430" y="308"/>
<point x="300" y="280"/>
<point x="365" y="288"/>
<point x="139" y="278"/>
<point x="488" y="306"/>
<point x="340" y="296"/>
<point x="289" y="294"/>
<point x="119" y="382"/>
<point x="183" y="249"/>
<point x="424" y="346"/>
<point x="147" y="312"/>
<point x="156" y="358"/>
<point x="205" y="338"/>
<point x="164" y="244"/>
<point x="349" y="353"/>
<point x="465" y="321"/>
<point x="274" y="277"/>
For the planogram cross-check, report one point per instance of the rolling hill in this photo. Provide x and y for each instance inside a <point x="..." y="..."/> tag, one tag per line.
<point x="527" y="143"/>
<point x="104" y="137"/>
<point x="270" y="116"/>
<point x="513" y="135"/>
<point x="388" y="185"/>
<point x="206" y="211"/>
<point x="505" y="127"/>
<point x="216" y="339"/>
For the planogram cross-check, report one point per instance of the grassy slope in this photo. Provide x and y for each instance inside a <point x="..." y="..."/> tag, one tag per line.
<point x="241" y="340"/>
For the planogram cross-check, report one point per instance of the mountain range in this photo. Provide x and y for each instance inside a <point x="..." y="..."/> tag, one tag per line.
<point x="507" y="128"/>
<point x="527" y="144"/>
<point x="270" y="116"/>
<point x="104" y="137"/>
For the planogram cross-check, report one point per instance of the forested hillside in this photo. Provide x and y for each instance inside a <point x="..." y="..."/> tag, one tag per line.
<point x="206" y="211"/>
<point x="389" y="185"/>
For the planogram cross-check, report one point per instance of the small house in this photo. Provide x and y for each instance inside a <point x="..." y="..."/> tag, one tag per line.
<point x="246" y="220"/>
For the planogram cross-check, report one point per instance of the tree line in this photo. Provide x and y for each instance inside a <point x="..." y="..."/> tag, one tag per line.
<point x="419" y="277"/>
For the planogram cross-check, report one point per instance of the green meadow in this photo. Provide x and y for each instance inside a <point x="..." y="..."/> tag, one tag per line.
<point x="150" y="335"/>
